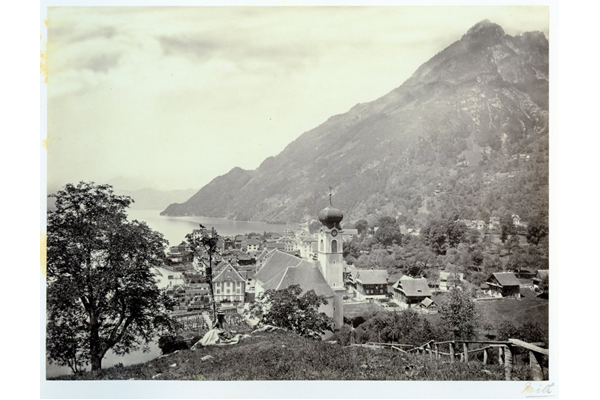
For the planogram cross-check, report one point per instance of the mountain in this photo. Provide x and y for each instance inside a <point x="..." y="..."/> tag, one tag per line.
<point x="154" y="199"/>
<point x="466" y="134"/>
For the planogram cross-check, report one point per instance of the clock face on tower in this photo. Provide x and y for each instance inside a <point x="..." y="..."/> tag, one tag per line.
<point x="334" y="233"/>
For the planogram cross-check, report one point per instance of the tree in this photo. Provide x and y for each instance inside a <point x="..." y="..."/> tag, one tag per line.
<point x="314" y="226"/>
<point x="288" y="309"/>
<point x="204" y="248"/>
<point x="442" y="235"/>
<point x="361" y="226"/>
<point x="101" y="288"/>
<point x="536" y="230"/>
<point x="458" y="314"/>
<point x="507" y="227"/>
<point x="389" y="235"/>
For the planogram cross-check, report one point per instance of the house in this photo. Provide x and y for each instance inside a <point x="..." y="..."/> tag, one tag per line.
<point x="450" y="279"/>
<point x="289" y="244"/>
<point x="371" y="284"/>
<point x="308" y="248"/>
<point x="349" y="234"/>
<point x="229" y="285"/>
<point x="516" y="220"/>
<point x="272" y="246"/>
<point x="249" y="277"/>
<point x="540" y="281"/>
<point x="479" y="224"/>
<point x="411" y="291"/>
<point x="252" y="245"/>
<point x="428" y="306"/>
<point x="503" y="284"/>
<point x="238" y="241"/>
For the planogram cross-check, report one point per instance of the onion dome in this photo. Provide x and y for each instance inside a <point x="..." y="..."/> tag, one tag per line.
<point x="331" y="217"/>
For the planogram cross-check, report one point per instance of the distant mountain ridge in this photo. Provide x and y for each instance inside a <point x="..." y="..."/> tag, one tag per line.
<point x="443" y="142"/>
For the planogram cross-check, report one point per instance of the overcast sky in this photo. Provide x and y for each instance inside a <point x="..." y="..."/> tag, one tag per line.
<point x="170" y="98"/>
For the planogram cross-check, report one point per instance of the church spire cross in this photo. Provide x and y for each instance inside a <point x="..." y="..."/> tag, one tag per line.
<point x="330" y="194"/>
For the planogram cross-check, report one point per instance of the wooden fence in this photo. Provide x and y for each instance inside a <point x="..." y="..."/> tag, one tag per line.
<point x="463" y="350"/>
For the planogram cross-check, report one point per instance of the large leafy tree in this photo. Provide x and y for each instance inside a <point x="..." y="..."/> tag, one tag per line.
<point x="290" y="309"/>
<point x="459" y="314"/>
<point x="101" y="287"/>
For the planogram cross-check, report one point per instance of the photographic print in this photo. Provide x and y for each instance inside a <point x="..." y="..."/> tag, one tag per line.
<point x="298" y="193"/>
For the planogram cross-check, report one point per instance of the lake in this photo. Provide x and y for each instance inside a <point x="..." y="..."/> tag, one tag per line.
<point x="174" y="230"/>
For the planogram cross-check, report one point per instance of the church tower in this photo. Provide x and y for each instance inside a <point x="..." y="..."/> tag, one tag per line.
<point x="330" y="257"/>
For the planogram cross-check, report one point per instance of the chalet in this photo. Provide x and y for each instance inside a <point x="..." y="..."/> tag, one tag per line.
<point x="371" y="284"/>
<point x="503" y="284"/>
<point x="449" y="280"/>
<point x="229" y="285"/>
<point x="428" y="306"/>
<point x="411" y="291"/>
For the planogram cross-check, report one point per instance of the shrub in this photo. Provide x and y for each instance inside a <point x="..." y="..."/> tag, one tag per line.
<point x="169" y="344"/>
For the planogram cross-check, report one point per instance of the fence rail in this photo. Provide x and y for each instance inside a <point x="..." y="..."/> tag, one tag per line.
<point x="460" y="349"/>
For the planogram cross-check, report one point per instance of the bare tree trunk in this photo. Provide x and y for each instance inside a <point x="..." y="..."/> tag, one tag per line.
<point x="211" y="291"/>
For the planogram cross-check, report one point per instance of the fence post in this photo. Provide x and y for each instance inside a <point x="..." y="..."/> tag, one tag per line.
<point x="429" y="350"/>
<point x="485" y="356"/>
<point x="437" y="351"/>
<point x="466" y="351"/>
<point x="451" y="352"/>
<point x="508" y="361"/>
<point x="536" y="369"/>
<point x="500" y="354"/>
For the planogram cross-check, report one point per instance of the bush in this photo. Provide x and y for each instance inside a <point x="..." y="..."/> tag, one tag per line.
<point x="169" y="344"/>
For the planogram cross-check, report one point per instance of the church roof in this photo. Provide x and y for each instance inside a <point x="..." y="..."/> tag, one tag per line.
<point x="276" y="263"/>
<point x="306" y="274"/>
<point x="330" y="217"/>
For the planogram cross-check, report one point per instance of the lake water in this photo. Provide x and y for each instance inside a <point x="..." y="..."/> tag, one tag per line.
<point x="174" y="229"/>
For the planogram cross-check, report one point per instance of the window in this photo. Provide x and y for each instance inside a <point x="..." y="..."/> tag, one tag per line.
<point x="334" y="246"/>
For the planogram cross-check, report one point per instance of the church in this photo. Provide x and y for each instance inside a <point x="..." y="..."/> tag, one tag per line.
<point x="323" y="275"/>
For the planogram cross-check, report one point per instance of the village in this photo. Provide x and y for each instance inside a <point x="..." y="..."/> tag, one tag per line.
<point x="247" y="265"/>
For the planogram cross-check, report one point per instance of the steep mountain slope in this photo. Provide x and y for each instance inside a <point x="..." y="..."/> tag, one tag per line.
<point x="454" y="127"/>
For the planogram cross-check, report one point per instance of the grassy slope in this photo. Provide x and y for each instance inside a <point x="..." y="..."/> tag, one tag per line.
<point x="285" y="356"/>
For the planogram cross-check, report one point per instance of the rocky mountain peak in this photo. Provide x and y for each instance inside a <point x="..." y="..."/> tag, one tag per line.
<point x="486" y="28"/>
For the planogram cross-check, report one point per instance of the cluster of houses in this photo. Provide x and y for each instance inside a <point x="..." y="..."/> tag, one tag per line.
<point x="246" y="266"/>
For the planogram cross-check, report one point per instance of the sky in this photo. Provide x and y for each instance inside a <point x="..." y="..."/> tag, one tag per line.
<point x="172" y="97"/>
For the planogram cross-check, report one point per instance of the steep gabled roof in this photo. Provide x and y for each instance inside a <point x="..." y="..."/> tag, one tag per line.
<point x="228" y="274"/>
<point x="372" y="276"/>
<point x="277" y="262"/>
<point x="427" y="302"/>
<point x="506" y="278"/>
<point x="543" y="273"/>
<point x="412" y="287"/>
<point x="306" y="274"/>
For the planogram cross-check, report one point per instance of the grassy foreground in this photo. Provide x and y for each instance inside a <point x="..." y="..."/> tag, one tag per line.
<point x="281" y="355"/>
